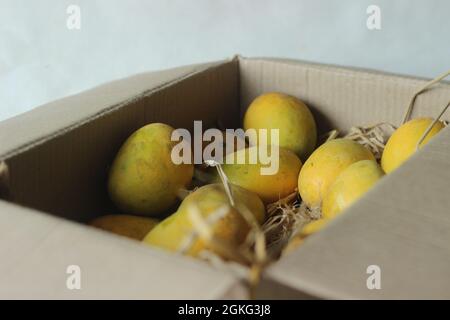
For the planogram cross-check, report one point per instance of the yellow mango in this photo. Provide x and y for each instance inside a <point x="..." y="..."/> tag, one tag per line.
<point x="325" y="164"/>
<point x="349" y="186"/>
<point x="402" y="144"/>
<point x="313" y="227"/>
<point x="297" y="128"/>
<point x="143" y="179"/>
<point x="346" y="189"/>
<point x="269" y="188"/>
<point x="173" y="232"/>
<point x="125" y="225"/>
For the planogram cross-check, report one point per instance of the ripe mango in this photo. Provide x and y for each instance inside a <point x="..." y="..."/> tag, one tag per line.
<point x="349" y="186"/>
<point x="269" y="188"/>
<point x="325" y="164"/>
<point x="346" y="189"/>
<point x="173" y="232"/>
<point x="297" y="128"/>
<point x="402" y="144"/>
<point x="143" y="179"/>
<point x="313" y="227"/>
<point x="125" y="225"/>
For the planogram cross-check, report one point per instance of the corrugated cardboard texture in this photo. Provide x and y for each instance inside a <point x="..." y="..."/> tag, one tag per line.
<point x="403" y="224"/>
<point x="36" y="250"/>
<point x="66" y="175"/>
<point x="52" y="119"/>
<point x="58" y="158"/>
<point x="339" y="97"/>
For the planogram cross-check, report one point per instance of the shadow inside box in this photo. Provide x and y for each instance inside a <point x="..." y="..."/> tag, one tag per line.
<point x="269" y="290"/>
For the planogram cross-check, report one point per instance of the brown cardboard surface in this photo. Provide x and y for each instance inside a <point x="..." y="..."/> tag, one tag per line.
<point x="55" y="118"/>
<point x="36" y="250"/>
<point x="65" y="173"/>
<point x="58" y="159"/>
<point x="339" y="97"/>
<point x="403" y="224"/>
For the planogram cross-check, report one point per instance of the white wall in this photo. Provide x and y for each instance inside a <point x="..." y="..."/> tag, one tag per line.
<point x="41" y="60"/>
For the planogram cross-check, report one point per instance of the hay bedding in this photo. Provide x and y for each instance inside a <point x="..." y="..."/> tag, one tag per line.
<point x="282" y="230"/>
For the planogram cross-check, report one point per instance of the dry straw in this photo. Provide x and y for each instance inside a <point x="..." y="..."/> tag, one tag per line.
<point x="424" y="135"/>
<point x="410" y="107"/>
<point x="288" y="217"/>
<point x="252" y="254"/>
<point x="422" y="89"/>
<point x="285" y="218"/>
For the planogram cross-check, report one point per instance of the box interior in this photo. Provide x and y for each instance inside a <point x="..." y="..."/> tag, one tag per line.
<point x="66" y="175"/>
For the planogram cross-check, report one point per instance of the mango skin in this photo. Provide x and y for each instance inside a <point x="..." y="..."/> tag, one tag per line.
<point x="172" y="232"/>
<point x="129" y="226"/>
<point x="313" y="227"/>
<point x="143" y="179"/>
<point x="269" y="188"/>
<point x="324" y="165"/>
<point x="402" y="144"/>
<point x="349" y="186"/>
<point x="290" y="115"/>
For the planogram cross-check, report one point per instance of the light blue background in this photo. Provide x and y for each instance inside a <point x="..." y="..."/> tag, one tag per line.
<point x="41" y="60"/>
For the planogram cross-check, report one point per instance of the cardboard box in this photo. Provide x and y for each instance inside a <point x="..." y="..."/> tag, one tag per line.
<point x="58" y="155"/>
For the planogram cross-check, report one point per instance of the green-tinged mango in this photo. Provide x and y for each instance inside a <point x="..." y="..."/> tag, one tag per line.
<point x="403" y="142"/>
<point x="269" y="187"/>
<point x="176" y="231"/>
<point x="325" y="164"/>
<point x="125" y="225"/>
<point x="143" y="178"/>
<point x="293" y="119"/>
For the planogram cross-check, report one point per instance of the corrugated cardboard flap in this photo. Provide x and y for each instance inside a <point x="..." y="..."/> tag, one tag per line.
<point x="55" y="118"/>
<point x="402" y="225"/>
<point x="58" y="157"/>
<point x="37" y="250"/>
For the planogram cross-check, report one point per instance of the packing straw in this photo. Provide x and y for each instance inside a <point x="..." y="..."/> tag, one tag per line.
<point x="427" y="85"/>
<point x="256" y="240"/>
<point x="223" y="178"/>
<point x="410" y="107"/>
<point x="286" y="217"/>
<point x="206" y="233"/>
<point x="246" y="213"/>
<point x="424" y="135"/>
<point x="373" y="137"/>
